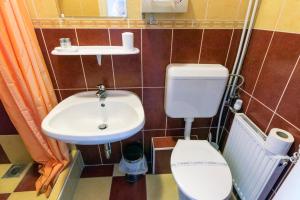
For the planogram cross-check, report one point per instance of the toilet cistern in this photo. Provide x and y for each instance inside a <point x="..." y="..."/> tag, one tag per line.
<point x="194" y="91"/>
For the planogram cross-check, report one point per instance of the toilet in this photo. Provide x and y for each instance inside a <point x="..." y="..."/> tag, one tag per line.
<point x="195" y="91"/>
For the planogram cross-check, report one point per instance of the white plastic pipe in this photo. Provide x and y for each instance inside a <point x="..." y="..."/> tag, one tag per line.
<point x="245" y="38"/>
<point x="237" y="64"/>
<point x="188" y="128"/>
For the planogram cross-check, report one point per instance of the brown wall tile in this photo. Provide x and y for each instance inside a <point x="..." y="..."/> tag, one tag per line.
<point x="215" y="46"/>
<point x="162" y="161"/>
<point x="127" y="68"/>
<point x="255" y="54"/>
<point x="156" y="56"/>
<point x="233" y="48"/>
<point x="90" y="154"/>
<point x="289" y="107"/>
<point x="96" y="74"/>
<point x="277" y="68"/>
<point x="43" y="47"/>
<point x="67" y="69"/>
<point x="259" y="114"/>
<point x="116" y="153"/>
<point x="148" y="135"/>
<point x="154" y="108"/>
<point x="186" y="45"/>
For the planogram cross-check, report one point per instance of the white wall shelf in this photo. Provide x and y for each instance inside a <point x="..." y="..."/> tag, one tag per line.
<point x="94" y="50"/>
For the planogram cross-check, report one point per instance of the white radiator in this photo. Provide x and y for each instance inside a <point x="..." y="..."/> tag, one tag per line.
<point x="254" y="170"/>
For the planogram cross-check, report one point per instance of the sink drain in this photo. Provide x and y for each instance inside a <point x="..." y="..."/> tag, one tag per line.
<point x="102" y="126"/>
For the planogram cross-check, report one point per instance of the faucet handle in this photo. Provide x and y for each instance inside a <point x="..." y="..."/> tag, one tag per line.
<point x="101" y="87"/>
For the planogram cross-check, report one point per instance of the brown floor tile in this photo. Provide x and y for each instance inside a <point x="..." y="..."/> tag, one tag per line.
<point x="28" y="182"/>
<point x="4" y="196"/>
<point x="97" y="171"/>
<point x="3" y="157"/>
<point x="123" y="190"/>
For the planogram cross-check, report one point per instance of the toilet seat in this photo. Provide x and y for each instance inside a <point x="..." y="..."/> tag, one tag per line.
<point x="200" y="171"/>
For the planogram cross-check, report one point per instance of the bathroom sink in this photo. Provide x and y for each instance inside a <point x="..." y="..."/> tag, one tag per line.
<point x="85" y="119"/>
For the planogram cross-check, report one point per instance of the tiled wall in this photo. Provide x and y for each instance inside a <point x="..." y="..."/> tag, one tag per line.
<point x="143" y="73"/>
<point x="271" y="69"/>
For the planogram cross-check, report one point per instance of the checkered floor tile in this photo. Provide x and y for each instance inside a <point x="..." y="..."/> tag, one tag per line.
<point x="106" y="182"/>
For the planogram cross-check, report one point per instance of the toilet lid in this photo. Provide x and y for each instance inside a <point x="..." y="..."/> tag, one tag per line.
<point x="200" y="171"/>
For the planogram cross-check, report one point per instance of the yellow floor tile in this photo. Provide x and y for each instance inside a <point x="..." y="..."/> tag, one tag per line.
<point x="93" y="188"/>
<point x="8" y="185"/>
<point x="161" y="187"/>
<point x="31" y="195"/>
<point x="4" y="168"/>
<point x="117" y="171"/>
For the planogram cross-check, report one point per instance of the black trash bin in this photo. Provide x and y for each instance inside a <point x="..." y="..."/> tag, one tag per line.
<point x="133" y="162"/>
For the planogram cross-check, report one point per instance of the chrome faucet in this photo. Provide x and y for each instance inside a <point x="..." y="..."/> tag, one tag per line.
<point x="101" y="93"/>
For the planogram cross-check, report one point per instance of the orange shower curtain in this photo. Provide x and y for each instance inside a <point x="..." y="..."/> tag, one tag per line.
<point x="26" y="91"/>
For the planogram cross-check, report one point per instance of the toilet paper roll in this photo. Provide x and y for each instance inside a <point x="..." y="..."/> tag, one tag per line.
<point x="279" y="141"/>
<point x="127" y="40"/>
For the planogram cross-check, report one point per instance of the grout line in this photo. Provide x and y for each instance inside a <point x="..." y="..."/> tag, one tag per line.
<point x="271" y="40"/>
<point x="229" y="48"/>
<point x="171" y="49"/>
<point x="51" y="65"/>
<point x="112" y="60"/>
<point x="206" y="10"/>
<point x="283" y="92"/>
<point x="142" y="68"/>
<point x="271" y="110"/>
<point x="166" y="126"/>
<point x="297" y="128"/>
<point x="82" y="66"/>
<point x="200" y="52"/>
<point x="260" y="70"/>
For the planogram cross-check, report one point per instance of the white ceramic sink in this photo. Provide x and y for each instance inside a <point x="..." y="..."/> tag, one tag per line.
<point x="76" y="119"/>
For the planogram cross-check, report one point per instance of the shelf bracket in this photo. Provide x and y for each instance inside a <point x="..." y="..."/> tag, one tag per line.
<point x="99" y="59"/>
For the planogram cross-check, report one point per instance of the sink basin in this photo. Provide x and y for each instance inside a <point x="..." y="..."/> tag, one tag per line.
<point x="83" y="119"/>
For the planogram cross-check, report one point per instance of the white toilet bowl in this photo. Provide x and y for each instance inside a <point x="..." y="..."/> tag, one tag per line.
<point x="200" y="171"/>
